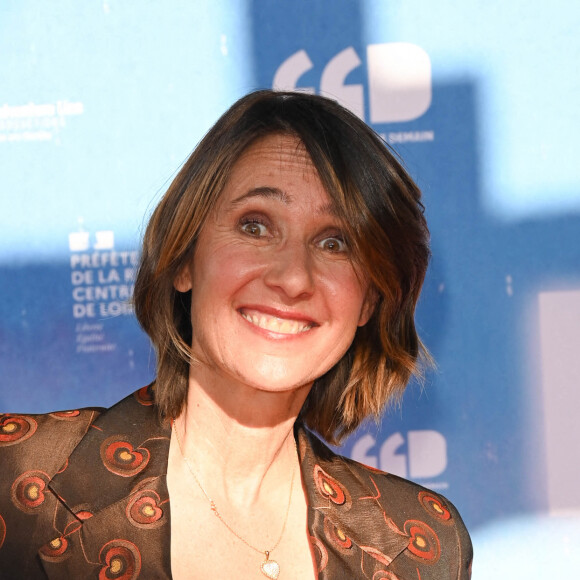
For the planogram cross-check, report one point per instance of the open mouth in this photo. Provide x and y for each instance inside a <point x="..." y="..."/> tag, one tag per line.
<point x="275" y="324"/>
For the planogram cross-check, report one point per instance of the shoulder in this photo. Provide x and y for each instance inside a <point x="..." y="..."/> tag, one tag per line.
<point x="41" y="442"/>
<point x="44" y="442"/>
<point x="402" y="493"/>
<point x="409" y="524"/>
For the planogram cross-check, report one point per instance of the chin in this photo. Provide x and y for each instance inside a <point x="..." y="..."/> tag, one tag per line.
<point x="277" y="379"/>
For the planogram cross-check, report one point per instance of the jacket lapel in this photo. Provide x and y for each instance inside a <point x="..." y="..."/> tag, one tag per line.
<point x="345" y="505"/>
<point x="112" y="509"/>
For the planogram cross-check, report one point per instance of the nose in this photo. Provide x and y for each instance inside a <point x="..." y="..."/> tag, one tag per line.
<point x="290" y="271"/>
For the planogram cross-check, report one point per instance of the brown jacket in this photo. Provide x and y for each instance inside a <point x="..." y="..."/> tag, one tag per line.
<point x="83" y="495"/>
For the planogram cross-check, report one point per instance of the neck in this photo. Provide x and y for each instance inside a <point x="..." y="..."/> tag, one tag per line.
<point x="239" y="439"/>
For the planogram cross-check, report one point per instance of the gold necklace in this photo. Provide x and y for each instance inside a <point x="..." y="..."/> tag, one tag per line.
<point x="270" y="568"/>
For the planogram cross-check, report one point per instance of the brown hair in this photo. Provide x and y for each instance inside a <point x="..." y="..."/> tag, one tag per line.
<point x="381" y="208"/>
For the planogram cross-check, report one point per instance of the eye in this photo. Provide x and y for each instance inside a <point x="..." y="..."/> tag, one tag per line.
<point x="334" y="244"/>
<point x="253" y="227"/>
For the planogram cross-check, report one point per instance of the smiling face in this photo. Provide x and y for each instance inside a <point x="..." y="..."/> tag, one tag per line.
<point x="276" y="300"/>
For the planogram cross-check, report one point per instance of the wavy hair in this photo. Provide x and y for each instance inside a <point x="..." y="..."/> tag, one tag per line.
<point x="380" y="207"/>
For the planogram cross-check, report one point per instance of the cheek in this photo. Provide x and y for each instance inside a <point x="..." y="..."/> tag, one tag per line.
<point x="345" y="293"/>
<point x="219" y="270"/>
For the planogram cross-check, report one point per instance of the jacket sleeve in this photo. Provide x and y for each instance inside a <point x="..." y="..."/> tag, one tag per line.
<point x="464" y="547"/>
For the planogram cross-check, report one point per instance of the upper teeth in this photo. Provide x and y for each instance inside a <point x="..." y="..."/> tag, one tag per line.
<point x="274" y="324"/>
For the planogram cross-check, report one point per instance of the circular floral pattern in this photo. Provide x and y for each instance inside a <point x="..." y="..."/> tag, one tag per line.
<point x="65" y="415"/>
<point x="16" y="429"/>
<point x="337" y="537"/>
<point x="120" y="458"/>
<point x="330" y="488"/>
<point x="320" y="553"/>
<point x="121" y="561"/>
<point x="423" y="541"/>
<point x="145" y="396"/>
<point x="28" y="490"/>
<point x="143" y="510"/>
<point x="56" y="550"/>
<point x="434" y="506"/>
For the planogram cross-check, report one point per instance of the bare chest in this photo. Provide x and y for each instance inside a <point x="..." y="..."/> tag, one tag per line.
<point x="203" y="548"/>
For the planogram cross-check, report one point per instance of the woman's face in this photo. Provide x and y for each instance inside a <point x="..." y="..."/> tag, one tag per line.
<point x="276" y="300"/>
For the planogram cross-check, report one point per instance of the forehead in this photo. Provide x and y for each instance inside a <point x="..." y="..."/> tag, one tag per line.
<point x="277" y="167"/>
<point x="276" y="156"/>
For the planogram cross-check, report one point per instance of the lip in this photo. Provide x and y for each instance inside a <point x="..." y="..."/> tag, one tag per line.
<point x="281" y="323"/>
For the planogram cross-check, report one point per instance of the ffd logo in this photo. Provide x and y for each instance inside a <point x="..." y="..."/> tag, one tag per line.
<point x="399" y="80"/>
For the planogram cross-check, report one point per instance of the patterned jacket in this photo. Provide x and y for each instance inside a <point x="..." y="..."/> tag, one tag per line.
<point x="83" y="494"/>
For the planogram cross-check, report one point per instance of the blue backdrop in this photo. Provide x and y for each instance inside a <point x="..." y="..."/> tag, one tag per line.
<point x="100" y="103"/>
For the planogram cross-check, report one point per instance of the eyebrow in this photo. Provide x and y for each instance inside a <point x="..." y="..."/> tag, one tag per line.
<point x="276" y="193"/>
<point x="268" y="192"/>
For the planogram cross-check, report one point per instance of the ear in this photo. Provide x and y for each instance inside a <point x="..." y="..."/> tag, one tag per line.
<point x="368" y="307"/>
<point x="182" y="282"/>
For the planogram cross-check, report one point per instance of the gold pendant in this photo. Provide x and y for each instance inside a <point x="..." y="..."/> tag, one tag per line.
<point x="270" y="568"/>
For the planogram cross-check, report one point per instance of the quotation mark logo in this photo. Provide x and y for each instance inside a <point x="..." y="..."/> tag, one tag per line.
<point x="426" y="454"/>
<point x="399" y="80"/>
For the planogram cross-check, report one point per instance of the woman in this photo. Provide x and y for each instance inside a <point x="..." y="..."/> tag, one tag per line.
<point x="278" y="283"/>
